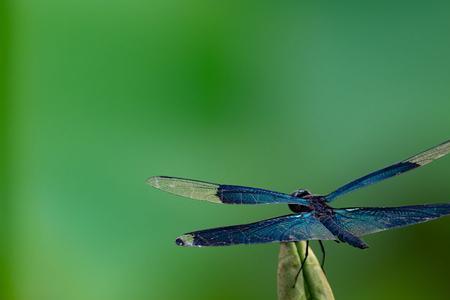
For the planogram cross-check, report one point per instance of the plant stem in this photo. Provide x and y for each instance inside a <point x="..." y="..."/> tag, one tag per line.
<point x="311" y="284"/>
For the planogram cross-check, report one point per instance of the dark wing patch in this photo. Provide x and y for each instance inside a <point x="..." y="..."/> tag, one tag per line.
<point x="363" y="221"/>
<point x="296" y="227"/>
<point x="411" y="163"/>
<point x="233" y="194"/>
<point x="372" y="178"/>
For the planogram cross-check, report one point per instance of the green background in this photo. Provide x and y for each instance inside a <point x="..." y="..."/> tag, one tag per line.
<point x="99" y="95"/>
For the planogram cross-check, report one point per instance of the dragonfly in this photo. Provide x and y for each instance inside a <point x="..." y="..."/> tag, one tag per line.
<point x="312" y="217"/>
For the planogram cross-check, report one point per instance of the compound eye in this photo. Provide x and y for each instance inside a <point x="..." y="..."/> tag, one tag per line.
<point x="301" y="193"/>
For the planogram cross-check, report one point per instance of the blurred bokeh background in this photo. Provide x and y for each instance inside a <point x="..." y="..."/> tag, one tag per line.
<point x="96" y="96"/>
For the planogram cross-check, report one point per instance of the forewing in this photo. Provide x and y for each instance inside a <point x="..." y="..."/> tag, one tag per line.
<point x="295" y="227"/>
<point x="411" y="163"/>
<point x="363" y="221"/>
<point x="219" y="193"/>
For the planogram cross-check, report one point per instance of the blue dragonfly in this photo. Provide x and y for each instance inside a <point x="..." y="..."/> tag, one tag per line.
<point x="313" y="218"/>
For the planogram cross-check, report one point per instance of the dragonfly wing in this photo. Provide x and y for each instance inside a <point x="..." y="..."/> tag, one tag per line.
<point x="363" y="221"/>
<point x="411" y="163"/>
<point x="295" y="227"/>
<point x="220" y="193"/>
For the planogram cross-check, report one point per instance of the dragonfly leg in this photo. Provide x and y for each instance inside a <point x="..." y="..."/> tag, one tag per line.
<point x="322" y="248"/>
<point x="302" y="264"/>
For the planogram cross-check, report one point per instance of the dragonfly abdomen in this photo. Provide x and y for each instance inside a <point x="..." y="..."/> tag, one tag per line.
<point x="342" y="234"/>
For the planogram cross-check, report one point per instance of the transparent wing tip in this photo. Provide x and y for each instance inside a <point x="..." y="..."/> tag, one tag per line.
<point x="154" y="181"/>
<point x="186" y="240"/>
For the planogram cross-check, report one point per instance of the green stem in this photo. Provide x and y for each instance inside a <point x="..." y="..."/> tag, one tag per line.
<point x="311" y="284"/>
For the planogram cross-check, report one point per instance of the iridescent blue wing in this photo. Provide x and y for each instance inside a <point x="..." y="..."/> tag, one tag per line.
<point x="416" y="161"/>
<point x="220" y="193"/>
<point x="363" y="221"/>
<point x="288" y="228"/>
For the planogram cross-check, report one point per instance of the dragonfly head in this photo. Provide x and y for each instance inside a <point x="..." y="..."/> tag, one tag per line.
<point x="301" y="193"/>
<point x="297" y="208"/>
